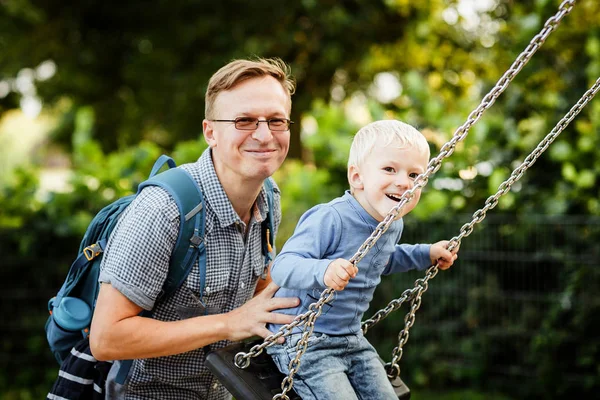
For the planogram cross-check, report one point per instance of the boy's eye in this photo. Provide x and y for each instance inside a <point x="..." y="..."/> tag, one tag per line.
<point x="388" y="169"/>
<point x="414" y="175"/>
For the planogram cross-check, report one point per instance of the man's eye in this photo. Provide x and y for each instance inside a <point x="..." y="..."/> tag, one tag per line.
<point x="277" y="122"/>
<point x="245" y="121"/>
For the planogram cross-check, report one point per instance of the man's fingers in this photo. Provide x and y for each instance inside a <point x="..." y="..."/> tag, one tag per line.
<point x="279" y="319"/>
<point x="270" y="290"/>
<point x="281" y="302"/>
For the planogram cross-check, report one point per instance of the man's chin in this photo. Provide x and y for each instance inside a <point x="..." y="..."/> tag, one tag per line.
<point x="261" y="172"/>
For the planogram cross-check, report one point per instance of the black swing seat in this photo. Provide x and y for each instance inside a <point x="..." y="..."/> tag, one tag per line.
<point x="261" y="380"/>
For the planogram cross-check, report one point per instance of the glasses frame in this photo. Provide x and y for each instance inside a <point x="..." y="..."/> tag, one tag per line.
<point x="258" y="121"/>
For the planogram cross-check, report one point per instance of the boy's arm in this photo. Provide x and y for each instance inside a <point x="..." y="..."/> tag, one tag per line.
<point x="304" y="258"/>
<point x="407" y="257"/>
<point x="421" y="256"/>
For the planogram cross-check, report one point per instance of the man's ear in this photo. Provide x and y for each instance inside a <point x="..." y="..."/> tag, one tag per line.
<point x="355" y="178"/>
<point x="209" y="133"/>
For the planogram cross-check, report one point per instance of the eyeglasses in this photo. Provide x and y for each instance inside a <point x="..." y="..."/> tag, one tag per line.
<point x="250" y="124"/>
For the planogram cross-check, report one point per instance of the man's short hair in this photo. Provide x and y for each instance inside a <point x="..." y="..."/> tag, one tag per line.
<point x="385" y="133"/>
<point x="238" y="71"/>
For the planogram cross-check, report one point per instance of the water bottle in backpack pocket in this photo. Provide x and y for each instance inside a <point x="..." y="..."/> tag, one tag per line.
<point x="69" y="322"/>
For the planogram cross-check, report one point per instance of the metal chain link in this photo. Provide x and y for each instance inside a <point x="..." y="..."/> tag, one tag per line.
<point x="242" y="359"/>
<point x="421" y="285"/>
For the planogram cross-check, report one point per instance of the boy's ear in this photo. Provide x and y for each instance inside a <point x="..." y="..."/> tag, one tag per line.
<point x="209" y="136"/>
<point x="355" y="178"/>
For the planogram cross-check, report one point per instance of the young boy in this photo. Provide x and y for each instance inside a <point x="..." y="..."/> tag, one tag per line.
<point x="339" y="363"/>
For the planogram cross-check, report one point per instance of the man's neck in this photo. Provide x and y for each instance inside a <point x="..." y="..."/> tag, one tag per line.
<point x="242" y="193"/>
<point x="242" y="199"/>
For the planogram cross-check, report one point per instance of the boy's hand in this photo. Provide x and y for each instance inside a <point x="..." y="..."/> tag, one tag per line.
<point x="440" y="254"/>
<point x="338" y="273"/>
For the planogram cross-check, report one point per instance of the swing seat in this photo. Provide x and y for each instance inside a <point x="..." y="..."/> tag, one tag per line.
<point x="261" y="380"/>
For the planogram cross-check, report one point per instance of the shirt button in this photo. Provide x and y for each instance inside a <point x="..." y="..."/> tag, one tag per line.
<point x="242" y="285"/>
<point x="215" y="385"/>
<point x="207" y="291"/>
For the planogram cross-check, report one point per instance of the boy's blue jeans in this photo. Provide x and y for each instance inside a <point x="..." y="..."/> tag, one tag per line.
<point x="335" y="367"/>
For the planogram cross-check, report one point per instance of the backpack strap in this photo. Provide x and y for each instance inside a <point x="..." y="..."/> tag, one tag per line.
<point x="268" y="233"/>
<point x="190" y="239"/>
<point x="160" y="161"/>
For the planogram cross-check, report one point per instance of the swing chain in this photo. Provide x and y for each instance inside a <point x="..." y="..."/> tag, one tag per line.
<point x="462" y="131"/>
<point x="435" y="163"/>
<point x="391" y="307"/>
<point x="301" y="346"/>
<point x="421" y="286"/>
<point x="433" y="166"/>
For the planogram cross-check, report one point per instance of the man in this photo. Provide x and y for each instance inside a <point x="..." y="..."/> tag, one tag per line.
<point x="248" y="105"/>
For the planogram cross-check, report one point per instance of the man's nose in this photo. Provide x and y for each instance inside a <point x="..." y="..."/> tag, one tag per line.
<point x="262" y="132"/>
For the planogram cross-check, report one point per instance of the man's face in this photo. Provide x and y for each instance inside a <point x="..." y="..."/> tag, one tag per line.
<point x="248" y="154"/>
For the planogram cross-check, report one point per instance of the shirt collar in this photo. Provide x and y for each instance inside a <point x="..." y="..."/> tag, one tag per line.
<point x="365" y="216"/>
<point x="215" y="195"/>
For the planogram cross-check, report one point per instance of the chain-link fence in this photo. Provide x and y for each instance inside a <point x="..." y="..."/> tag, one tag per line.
<point x="518" y="299"/>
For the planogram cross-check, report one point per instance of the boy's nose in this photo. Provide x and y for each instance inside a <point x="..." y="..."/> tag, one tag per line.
<point x="403" y="181"/>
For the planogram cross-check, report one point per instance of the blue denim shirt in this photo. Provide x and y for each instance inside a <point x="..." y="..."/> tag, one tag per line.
<point x="335" y="230"/>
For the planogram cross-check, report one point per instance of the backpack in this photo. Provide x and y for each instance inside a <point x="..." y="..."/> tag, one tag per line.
<point x="72" y="308"/>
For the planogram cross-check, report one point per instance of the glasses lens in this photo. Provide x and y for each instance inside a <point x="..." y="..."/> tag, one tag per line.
<point x="246" y="123"/>
<point x="278" y="124"/>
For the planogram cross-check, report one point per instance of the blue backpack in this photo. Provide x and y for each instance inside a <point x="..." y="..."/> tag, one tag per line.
<point x="71" y="309"/>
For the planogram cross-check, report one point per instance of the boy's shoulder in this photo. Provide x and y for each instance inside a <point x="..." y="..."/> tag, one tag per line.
<point x="342" y="201"/>
<point x="336" y="204"/>
<point x="338" y="207"/>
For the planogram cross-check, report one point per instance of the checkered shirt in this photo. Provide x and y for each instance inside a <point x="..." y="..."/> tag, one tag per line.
<point x="136" y="263"/>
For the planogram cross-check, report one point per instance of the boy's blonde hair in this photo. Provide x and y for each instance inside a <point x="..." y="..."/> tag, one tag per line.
<point x="238" y="71"/>
<point x="385" y="133"/>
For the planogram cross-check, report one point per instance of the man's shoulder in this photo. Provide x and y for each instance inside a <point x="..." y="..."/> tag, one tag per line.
<point x="274" y="185"/>
<point x="155" y="199"/>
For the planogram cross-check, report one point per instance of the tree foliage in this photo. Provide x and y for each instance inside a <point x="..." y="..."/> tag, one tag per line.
<point x="129" y="84"/>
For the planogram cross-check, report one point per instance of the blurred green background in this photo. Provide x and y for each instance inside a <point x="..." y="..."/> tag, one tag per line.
<point x="92" y="92"/>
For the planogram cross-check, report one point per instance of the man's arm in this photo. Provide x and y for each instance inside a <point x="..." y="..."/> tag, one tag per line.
<point x="119" y="333"/>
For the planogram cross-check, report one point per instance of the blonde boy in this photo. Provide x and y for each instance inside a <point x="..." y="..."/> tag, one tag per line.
<point x="385" y="159"/>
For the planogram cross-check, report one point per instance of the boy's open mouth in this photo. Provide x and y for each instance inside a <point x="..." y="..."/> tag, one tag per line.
<point x="394" y="197"/>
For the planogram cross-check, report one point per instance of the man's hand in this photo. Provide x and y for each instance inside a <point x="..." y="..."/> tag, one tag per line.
<point x="440" y="255"/>
<point x="251" y="318"/>
<point x="338" y="273"/>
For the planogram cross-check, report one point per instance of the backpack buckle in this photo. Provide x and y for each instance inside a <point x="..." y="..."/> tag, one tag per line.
<point x="92" y="251"/>
<point x="196" y="240"/>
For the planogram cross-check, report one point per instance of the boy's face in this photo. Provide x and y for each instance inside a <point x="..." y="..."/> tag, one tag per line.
<point x="385" y="174"/>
